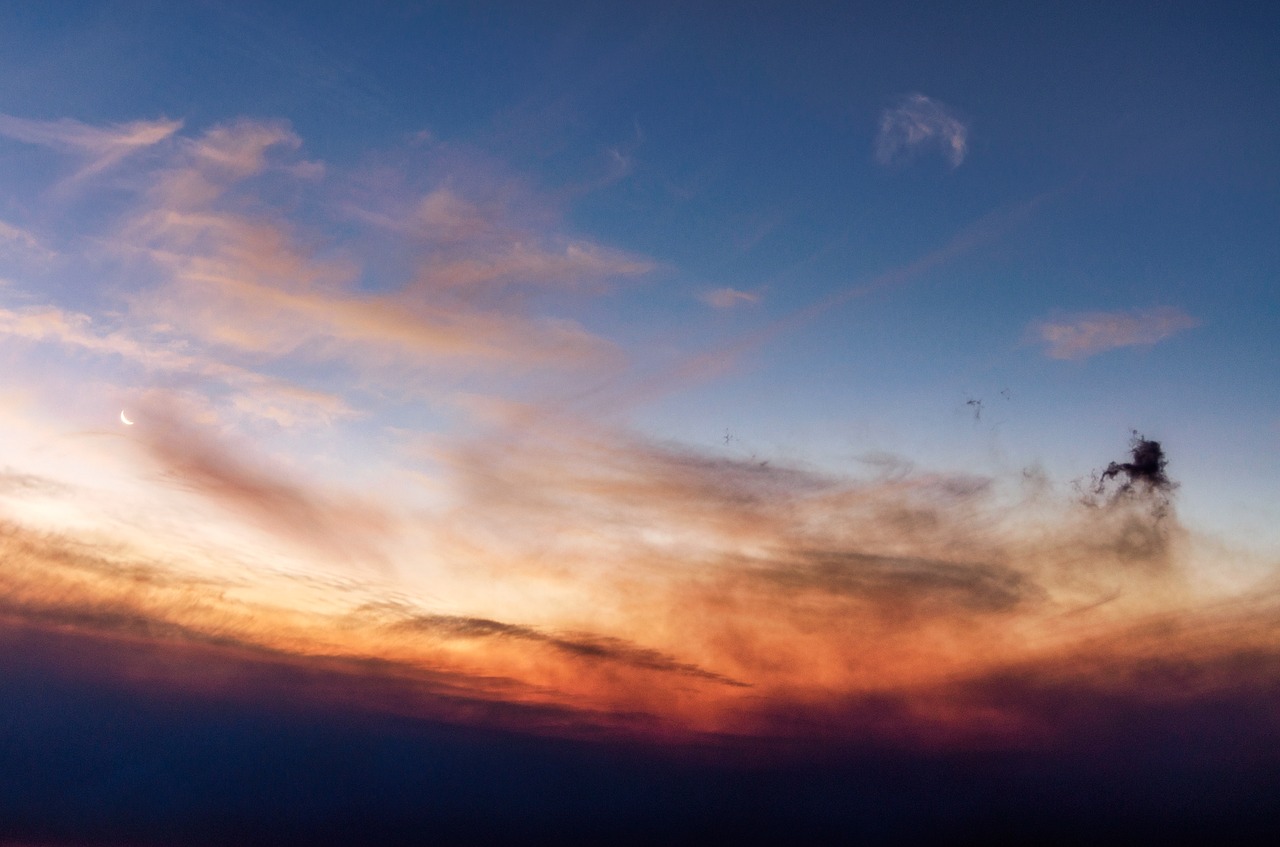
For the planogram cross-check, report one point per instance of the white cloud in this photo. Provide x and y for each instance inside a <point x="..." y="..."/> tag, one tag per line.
<point x="1084" y="335"/>
<point x="918" y="123"/>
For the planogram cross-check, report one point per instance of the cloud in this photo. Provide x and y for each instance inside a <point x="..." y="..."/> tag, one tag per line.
<point x="240" y="149"/>
<point x="899" y="582"/>
<point x="1084" y="335"/>
<point x="252" y="283"/>
<point x="521" y="263"/>
<point x="444" y="215"/>
<point x="17" y="241"/>
<point x="912" y="611"/>
<point x="585" y="646"/>
<point x="15" y="482"/>
<point x="100" y="147"/>
<point x="918" y="123"/>
<point x="727" y="298"/>
<point x="252" y="393"/>
<point x="228" y="274"/>
<point x="919" y="610"/>
<point x="192" y="458"/>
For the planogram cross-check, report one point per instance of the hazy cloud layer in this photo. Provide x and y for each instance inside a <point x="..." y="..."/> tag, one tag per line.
<point x="918" y="124"/>
<point x="1085" y="335"/>
<point x="729" y="597"/>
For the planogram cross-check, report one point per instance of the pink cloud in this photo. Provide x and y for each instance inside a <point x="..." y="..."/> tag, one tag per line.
<point x="254" y="284"/>
<point x="1085" y="335"/>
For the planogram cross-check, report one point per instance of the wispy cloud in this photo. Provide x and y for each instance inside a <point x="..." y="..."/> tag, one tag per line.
<point x="17" y="241"/>
<point x="1084" y="335"/>
<point x="197" y="460"/>
<point x="578" y="645"/>
<point x="250" y="283"/>
<point x="727" y="298"/>
<point x="919" y="123"/>
<point x="100" y="147"/>
<point x="252" y="393"/>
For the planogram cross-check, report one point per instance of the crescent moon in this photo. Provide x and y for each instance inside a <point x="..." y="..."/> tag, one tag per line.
<point x="124" y="419"/>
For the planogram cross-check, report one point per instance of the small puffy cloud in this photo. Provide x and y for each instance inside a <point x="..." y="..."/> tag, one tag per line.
<point x="917" y="123"/>
<point x="727" y="298"/>
<point x="1084" y="335"/>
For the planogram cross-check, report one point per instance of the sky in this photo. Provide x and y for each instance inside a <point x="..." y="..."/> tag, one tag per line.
<point x="555" y="421"/>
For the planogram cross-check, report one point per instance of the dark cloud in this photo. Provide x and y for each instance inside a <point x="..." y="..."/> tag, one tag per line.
<point x="1147" y="470"/>
<point x="901" y="583"/>
<point x="1142" y="479"/>
<point x="580" y="645"/>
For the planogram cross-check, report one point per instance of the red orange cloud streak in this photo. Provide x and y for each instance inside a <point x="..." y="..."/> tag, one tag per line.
<point x="688" y="598"/>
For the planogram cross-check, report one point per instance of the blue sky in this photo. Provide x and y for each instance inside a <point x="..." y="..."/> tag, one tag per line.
<point x="745" y="153"/>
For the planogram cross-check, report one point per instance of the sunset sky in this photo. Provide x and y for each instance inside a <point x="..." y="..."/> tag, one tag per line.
<point x="649" y="390"/>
